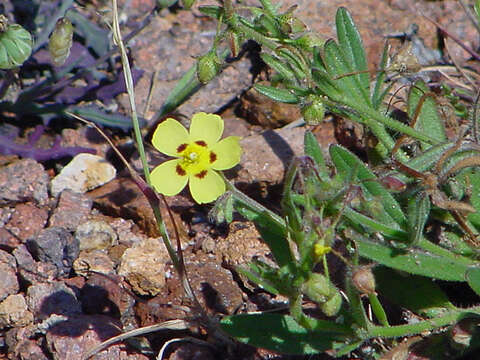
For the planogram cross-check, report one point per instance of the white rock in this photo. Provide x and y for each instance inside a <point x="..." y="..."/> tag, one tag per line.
<point x="85" y="172"/>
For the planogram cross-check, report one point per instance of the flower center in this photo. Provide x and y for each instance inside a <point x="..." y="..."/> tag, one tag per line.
<point x="195" y="158"/>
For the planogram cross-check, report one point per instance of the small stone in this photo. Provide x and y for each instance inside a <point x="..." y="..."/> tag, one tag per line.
<point x="27" y="221"/>
<point x="95" y="234"/>
<point x="72" y="210"/>
<point x="72" y="339"/>
<point x="85" y="172"/>
<point x="30" y="270"/>
<point x="23" y="180"/>
<point x="52" y="298"/>
<point x="8" y="242"/>
<point x="192" y="351"/>
<point x="8" y="275"/>
<point x="95" y="260"/>
<point x="14" y="312"/>
<point x="56" y="246"/>
<point x="28" y="350"/>
<point x="143" y="266"/>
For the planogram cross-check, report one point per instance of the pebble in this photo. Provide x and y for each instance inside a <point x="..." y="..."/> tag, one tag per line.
<point x="24" y="180"/>
<point x="30" y="270"/>
<point x="27" y="221"/>
<point x="14" y="312"/>
<point x="50" y="298"/>
<point x="8" y="275"/>
<point x="95" y="260"/>
<point x="143" y="266"/>
<point x="8" y="241"/>
<point x="85" y="172"/>
<point x="55" y="245"/>
<point x="94" y="235"/>
<point x="71" y="211"/>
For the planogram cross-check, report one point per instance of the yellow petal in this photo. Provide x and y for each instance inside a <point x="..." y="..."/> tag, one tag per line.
<point x="206" y="127"/>
<point x="168" y="136"/>
<point x="208" y="188"/>
<point x="228" y="153"/>
<point x="166" y="179"/>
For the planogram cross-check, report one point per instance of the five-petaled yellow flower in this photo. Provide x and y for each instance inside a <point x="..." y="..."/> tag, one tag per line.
<point x="198" y="154"/>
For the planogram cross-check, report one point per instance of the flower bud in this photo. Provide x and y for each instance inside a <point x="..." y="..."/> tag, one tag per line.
<point x="363" y="279"/>
<point x="309" y="40"/>
<point x="291" y="24"/>
<point x="314" y="110"/>
<point x="60" y="41"/>
<point x="15" y="44"/>
<point x="208" y="67"/>
<point x="317" y="288"/>
<point x="332" y="306"/>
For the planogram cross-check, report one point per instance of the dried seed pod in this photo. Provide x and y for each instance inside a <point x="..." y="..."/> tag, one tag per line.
<point x="15" y="44"/>
<point x="363" y="279"/>
<point x="60" y="41"/>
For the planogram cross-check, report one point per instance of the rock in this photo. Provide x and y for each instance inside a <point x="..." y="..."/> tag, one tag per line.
<point x="28" y="350"/>
<point x="95" y="260"/>
<point x="143" y="266"/>
<point x="30" y="270"/>
<point x="72" y="339"/>
<point x="8" y="275"/>
<point x="23" y="180"/>
<point x="27" y="221"/>
<point x="125" y="230"/>
<point x="94" y="235"/>
<point x="188" y="351"/>
<point x="72" y="210"/>
<point x="56" y="246"/>
<point x="267" y="156"/>
<point x="14" y="312"/>
<point x="104" y="295"/>
<point x="52" y="298"/>
<point x="85" y="172"/>
<point x="8" y="242"/>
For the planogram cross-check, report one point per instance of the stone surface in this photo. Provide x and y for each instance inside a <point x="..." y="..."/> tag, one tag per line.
<point x="28" y="350"/>
<point x="266" y="156"/>
<point x="14" y="312"/>
<point x="85" y="172"/>
<point x="30" y="270"/>
<point x="55" y="297"/>
<point x="8" y="275"/>
<point x="95" y="260"/>
<point x="72" y="210"/>
<point x="27" y="221"/>
<point x="23" y="180"/>
<point x="55" y="245"/>
<point x="8" y="241"/>
<point x="95" y="235"/>
<point x="73" y="338"/>
<point x="143" y="266"/>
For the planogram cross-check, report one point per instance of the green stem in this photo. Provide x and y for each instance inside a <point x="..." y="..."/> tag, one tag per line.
<point x="422" y="326"/>
<point x="378" y="309"/>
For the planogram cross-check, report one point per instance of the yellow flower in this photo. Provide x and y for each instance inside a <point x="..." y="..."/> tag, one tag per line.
<point x="198" y="154"/>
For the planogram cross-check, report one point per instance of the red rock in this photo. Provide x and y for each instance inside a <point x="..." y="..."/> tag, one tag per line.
<point x="72" y="210"/>
<point x="27" y="221"/>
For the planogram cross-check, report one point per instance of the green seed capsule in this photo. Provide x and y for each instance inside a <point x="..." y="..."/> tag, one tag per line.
<point x="314" y="110"/>
<point x="208" y="67"/>
<point x="61" y="41"/>
<point x="15" y="44"/>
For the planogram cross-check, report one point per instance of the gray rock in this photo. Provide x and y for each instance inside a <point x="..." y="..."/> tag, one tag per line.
<point x="56" y="246"/>
<point x="23" y="180"/>
<point x="55" y="297"/>
<point x="72" y="210"/>
<point x="8" y="275"/>
<point x="95" y="235"/>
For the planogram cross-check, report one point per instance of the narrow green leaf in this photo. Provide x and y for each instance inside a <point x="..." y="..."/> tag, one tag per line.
<point x="413" y="262"/>
<point x="345" y="162"/>
<point x="428" y="120"/>
<point x="98" y="116"/>
<point x="352" y="46"/>
<point x="212" y="11"/>
<point x="283" y="334"/>
<point x="295" y="60"/>
<point x="378" y="95"/>
<point x="415" y="293"/>
<point x="256" y="278"/>
<point x="313" y="149"/>
<point x="418" y="214"/>
<point x="473" y="279"/>
<point x="278" y="66"/>
<point x="280" y="95"/>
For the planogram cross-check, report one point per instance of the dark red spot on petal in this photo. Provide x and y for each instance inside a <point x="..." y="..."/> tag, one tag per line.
<point x="201" y="143"/>
<point x="180" y="170"/>
<point x="201" y="174"/>
<point x="181" y="148"/>
<point x="213" y="157"/>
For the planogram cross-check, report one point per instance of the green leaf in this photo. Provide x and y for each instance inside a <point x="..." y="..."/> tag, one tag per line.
<point x="283" y="334"/>
<point x="418" y="214"/>
<point x="415" y="293"/>
<point x="473" y="279"/>
<point x="98" y="116"/>
<point x="413" y="261"/>
<point x="313" y="149"/>
<point x="428" y="120"/>
<point x="346" y="162"/>
<point x="213" y="11"/>
<point x="280" y="95"/>
<point x="256" y="276"/>
<point x="278" y="66"/>
<point x="378" y="95"/>
<point x="352" y="46"/>
<point x="95" y="37"/>
<point x="295" y="60"/>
